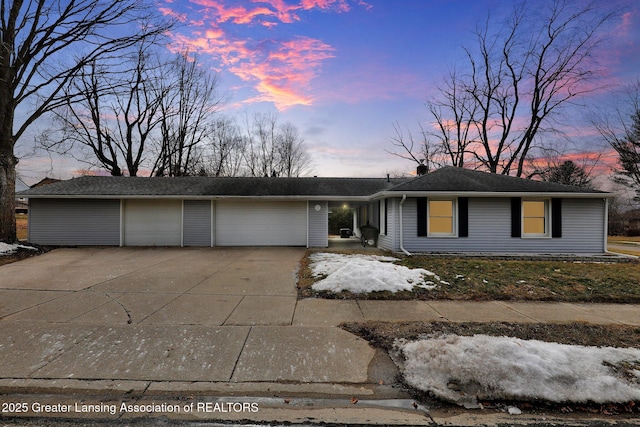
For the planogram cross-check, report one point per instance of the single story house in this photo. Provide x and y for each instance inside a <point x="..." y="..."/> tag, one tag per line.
<point x="450" y="210"/>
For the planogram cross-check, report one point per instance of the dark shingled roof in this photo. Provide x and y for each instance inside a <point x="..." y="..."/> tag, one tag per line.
<point x="452" y="179"/>
<point x="447" y="179"/>
<point x="207" y="186"/>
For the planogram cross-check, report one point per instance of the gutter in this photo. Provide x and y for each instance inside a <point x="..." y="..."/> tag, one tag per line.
<point x="406" y="252"/>
<point x="302" y="198"/>
<point x="493" y="194"/>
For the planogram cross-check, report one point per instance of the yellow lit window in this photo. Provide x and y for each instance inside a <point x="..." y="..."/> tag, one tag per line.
<point x="441" y="217"/>
<point x="534" y="217"/>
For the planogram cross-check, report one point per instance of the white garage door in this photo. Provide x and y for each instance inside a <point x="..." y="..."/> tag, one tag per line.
<point x="153" y="223"/>
<point x="249" y="223"/>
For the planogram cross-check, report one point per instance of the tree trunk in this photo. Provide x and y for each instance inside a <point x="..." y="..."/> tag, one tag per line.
<point x="7" y="196"/>
<point x="8" y="163"/>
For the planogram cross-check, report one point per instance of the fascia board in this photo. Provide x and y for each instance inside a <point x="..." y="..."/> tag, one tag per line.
<point x="198" y="197"/>
<point x="491" y="194"/>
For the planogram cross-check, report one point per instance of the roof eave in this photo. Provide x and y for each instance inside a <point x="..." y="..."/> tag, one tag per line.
<point x="198" y="197"/>
<point x="486" y="194"/>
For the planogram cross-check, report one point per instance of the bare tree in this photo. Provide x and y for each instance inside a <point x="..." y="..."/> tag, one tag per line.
<point x="417" y="148"/>
<point x="223" y="149"/>
<point x="261" y="137"/>
<point x="518" y="75"/>
<point x="188" y="100"/>
<point x="292" y="153"/>
<point x="43" y="45"/>
<point x="452" y="131"/>
<point x="110" y="116"/>
<point x="622" y="133"/>
<point x="272" y="149"/>
<point x="454" y="113"/>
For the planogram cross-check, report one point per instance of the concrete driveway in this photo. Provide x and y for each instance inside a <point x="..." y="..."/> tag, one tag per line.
<point x="154" y="286"/>
<point x="175" y="325"/>
<point x="155" y="315"/>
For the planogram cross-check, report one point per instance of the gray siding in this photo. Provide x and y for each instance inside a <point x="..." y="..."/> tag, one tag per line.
<point x="390" y="240"/>
<point x="74" y="222"/>
<point x="318" y="225"/>
<point x="197" y="223"/>
<point x="490" y="230"/>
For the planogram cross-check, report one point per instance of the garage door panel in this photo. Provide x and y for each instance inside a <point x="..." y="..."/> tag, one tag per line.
<point x="196" y="223"/>
<point x="74" y="222"/>
<point x="247" y="223"/>
<point x="153" y="223"/>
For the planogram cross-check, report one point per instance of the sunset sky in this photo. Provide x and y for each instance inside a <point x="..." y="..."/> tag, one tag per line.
<point x="344" y="71"/>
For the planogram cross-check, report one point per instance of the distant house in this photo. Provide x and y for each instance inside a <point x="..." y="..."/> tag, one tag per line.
<point x="626" y="223"/>
<point x="22" y="205"/>
<point x="45" y="181"/>
<point x="633" y="218"/>
<point x="451" y="210"/>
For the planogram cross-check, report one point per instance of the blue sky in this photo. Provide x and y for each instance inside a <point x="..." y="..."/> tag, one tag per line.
<point x="344" y="71"/>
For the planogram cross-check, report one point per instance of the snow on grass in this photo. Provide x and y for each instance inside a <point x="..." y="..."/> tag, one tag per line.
<point x="8" y="249"/>
<point x="366" y="273"/>
<point x="464" y="369"/>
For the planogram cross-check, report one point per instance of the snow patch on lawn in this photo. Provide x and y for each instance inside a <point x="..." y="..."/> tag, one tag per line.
<point x="464" y="369"/>
<point x="366" y="273"/>
<point x="8" y="249"/>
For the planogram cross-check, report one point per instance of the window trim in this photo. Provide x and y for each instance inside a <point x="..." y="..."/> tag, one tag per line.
<point x="454" y="217"/>
<point x="547" y="219"/>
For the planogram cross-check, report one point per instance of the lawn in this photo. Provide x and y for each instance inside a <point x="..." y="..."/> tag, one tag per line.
<point x="478" y="279"/>
<point x="22" y="226"/>
<point x="493" y="279"/>
<point x="614" y="239"/>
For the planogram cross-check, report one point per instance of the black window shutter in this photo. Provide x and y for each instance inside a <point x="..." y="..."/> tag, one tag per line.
<point x="463" y="217"/>
<point x="556" y="217"/>
<point x="516" y="217"/>
<point x="422" y="216"/>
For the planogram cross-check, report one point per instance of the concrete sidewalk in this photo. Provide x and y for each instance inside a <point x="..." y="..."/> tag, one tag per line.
<point x="131" y="325"/>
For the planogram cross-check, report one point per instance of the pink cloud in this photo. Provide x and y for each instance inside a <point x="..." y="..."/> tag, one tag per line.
<point x="335" y="5"/>
<point x="595" y="162"/>
<point x="181" y="17"/>
<point x="282" y="74"/>
<point x="280" y="71"/>
<point x="626" y="24"/>
<point x="620" y="45"/>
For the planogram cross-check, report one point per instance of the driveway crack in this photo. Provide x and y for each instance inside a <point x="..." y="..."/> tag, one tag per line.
<point x="129" y="320"/>
<point x="244" y="344"/>
<point x="231" y="312"/>
<point x="360" y="308"/>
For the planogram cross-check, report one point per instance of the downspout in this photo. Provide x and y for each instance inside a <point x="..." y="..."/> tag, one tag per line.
<point x="406" y="252"/>
<point x="606" y="224"/>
